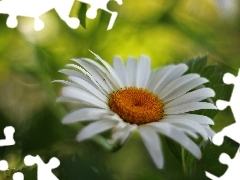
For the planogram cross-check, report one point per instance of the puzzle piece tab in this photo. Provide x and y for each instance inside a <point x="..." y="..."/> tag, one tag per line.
<point x="3" y="165"/>
<point x="233" y="167"/>
<point x="232" y="131"/>
<point x="96" y="4"/>
<point x="8" y="132"/>
<point x="18" y="176"/>
<point x="36" y="8"/>
<point x="234" y="100"/>
<point x="44" y="171"/>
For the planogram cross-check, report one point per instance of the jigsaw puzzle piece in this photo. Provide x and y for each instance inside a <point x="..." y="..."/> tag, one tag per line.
<point x="12" y="21"/>
<point x="228" y="78"/>
<point x="26" y="8"/>
<point x="233" y="167"/>
<point x="231" y="131"/>
<point x="234" y="100"/>
<point x="44" y="171"/>
<point x="18" y="176"/>
<point x="63" y="9"/>
<point x="95" y="5"/>
<point x="3" y="165"/>
<point x="211" y="176"/>
<point x="36" y="8"/>
<point x="8" y="132"/>
<point x="221" y="104"/>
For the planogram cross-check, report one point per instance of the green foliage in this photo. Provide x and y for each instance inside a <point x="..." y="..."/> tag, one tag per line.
<point x="82" y="14"/>
<point x="199" y="65"/>
<point x="161" y="29"/>
<point x="193" y="168"/>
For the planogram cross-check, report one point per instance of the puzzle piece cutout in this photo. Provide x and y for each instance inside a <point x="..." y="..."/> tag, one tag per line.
<point x="36" y="8"/>
<point x="231" y="131"/>
<point x="18" y="176"/>
<point x="234" y="101"/>
<point x="233" y="167"/>
<point x="96" y="4"/>
<point x="44" y="171"/>
<point x="4" y="167"/>
<point x="8" y="132"/>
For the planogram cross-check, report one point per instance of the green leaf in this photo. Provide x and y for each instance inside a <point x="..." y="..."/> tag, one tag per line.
<point x="195" y="168"/>
<point x="214" y="75"/>
<point x="75" y="167"/>
<point x="210" y="159"/>
<point x="82" y="14"/>
<point x="196" y="64"/>
<point x="174" y="148"/>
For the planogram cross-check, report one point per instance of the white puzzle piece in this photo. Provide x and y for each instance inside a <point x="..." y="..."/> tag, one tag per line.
<point x="35" y="8"/>
<point x="3" y="165"/>
<point x="232" y="131"/>
<point x="8" y="132"/>
<point x="97" y="4"/>
<point x="44" y="171"/>
<point x="18" y="176"/>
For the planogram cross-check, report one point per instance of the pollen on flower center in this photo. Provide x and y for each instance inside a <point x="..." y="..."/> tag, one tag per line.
<point x="136" y="105"/>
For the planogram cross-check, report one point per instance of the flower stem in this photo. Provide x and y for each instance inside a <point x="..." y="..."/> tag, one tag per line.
<point x="184" y="160"/>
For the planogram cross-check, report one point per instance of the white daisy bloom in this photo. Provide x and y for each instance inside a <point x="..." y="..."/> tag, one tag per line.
<point x="131" y="97"/>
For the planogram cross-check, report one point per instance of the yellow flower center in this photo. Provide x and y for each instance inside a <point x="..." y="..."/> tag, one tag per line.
<point x="136" y="105"/>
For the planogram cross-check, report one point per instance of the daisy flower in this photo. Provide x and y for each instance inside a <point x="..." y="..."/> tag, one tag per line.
<point x="131" y="97"/>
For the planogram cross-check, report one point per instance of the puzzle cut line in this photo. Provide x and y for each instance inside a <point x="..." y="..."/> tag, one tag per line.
<point x="231" y="131"/>
<point x="35" y="8"/>
<point x="44" y="171"/>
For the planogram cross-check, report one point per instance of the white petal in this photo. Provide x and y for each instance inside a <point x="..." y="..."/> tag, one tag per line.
<point x="95" y="128"/>
<point x="120" y="69"/>
<point x="131" y="68"/>
<point x="122" y="134"/>
<point x="192" y="106"/>
<point x="194" y="117"/>
<point x="69" y="99"/>
<point x="110" y="70"/>
<point x="159" y="76"/>
<point x="94" y="91"/>
<point x="188" y="124"/>
<point x="143" y="72"/>
<point x="91" y="77"/>
<point x="188" y="132"/>
<point x="127" y="132"/>
<point x="101" y="78"/>
<point x="193" y="96"/>
<point x="151" y="78"/>
<point x="67" y="83"/>
<point x="183" y="89"/>
<point x="169" y="74"/>
<point x="86" y="114"/>
<point x="77" y="74"/>
<point x="153" y="145"/>
<point x="81" y="95"/>
<point x="175" y="134"/>
<point x="210" y="132"/>
<point x="89" y="87"/>
<point x="81" y="88"/>
<point x="175" y="84"/>
<point x="104" y="74"/>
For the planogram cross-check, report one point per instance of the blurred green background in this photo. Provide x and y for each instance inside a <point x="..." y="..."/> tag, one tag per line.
<point x="168" y="31"/>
